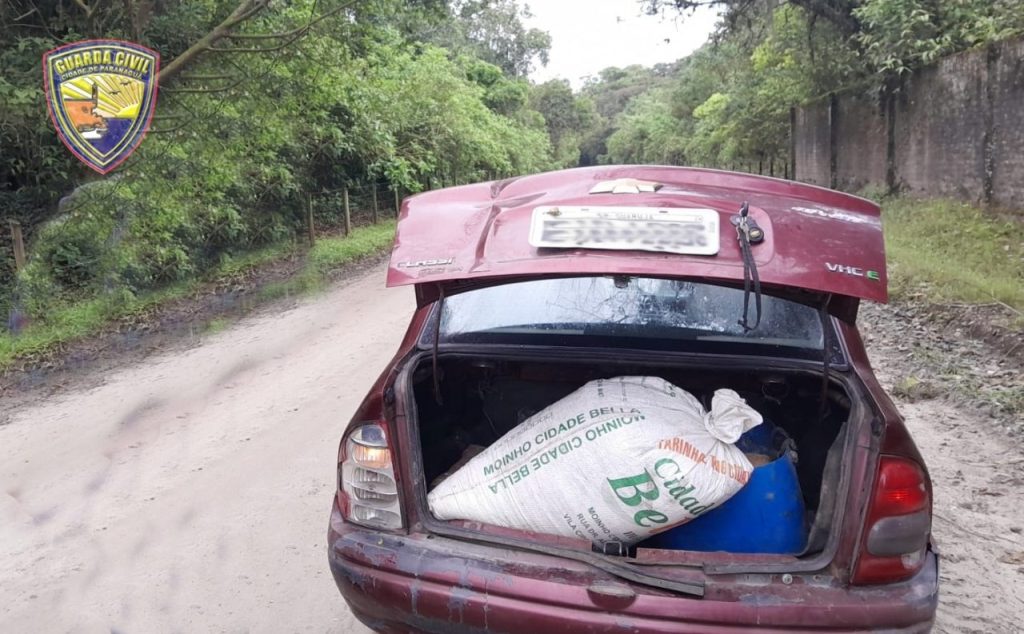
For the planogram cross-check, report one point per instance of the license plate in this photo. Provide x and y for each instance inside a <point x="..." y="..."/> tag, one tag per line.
<point x="683" y="231"/>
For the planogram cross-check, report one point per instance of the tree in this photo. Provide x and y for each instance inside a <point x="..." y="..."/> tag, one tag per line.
<point x="611" y="91"/>
<point x="502" y="94"/>
<point x="742" y="13"/>
<point x="731" y="100"/>
<point x="566" y="117"/>
<point x="647" y="133"/>
<point x="899" y="35"/>
<point x="493" y="30"/>
<point x="262" y="105"/>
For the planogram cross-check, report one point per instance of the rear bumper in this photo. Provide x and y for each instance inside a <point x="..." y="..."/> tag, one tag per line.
<point x="421" y="583"/>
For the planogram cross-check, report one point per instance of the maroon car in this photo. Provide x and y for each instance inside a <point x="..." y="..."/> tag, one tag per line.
<point x="530" y="287"/>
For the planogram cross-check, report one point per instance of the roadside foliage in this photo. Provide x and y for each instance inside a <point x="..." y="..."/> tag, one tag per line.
<point x="304" y="99"/>
<point x="728" y="104"/>
<point x="390" y="95"/>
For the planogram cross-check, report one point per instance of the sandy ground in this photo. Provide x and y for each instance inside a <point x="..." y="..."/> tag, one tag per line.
<point x="191" y="492"/>
<point x="978" y="479"/>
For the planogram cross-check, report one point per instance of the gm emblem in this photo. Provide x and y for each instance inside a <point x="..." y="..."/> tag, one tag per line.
<point x="625" y="186"/>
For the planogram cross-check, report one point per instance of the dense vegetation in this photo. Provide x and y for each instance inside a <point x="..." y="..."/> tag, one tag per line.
<point x="728" y="104"/>
<point x="267" y="105"/>
<point x="303" y="97"/>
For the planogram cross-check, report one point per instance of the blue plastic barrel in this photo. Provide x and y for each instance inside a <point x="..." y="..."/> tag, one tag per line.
<point x="766" y="516"/>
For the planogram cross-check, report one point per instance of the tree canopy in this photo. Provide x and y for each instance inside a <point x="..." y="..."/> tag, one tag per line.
<point x="264" y="104"/>
<point x="261" y="104"/>
<point x="728" y="104"/>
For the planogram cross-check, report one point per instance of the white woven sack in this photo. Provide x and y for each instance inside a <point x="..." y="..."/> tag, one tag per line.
<point x="615" y="461"/>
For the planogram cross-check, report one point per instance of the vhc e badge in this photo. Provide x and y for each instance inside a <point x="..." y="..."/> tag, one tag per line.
<point x="101" y="95"/>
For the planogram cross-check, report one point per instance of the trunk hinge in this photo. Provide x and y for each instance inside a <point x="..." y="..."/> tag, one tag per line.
<point x="613" y="549"/>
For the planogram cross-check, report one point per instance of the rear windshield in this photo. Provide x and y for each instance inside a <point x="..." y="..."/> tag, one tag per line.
<point x="628" y="311"/>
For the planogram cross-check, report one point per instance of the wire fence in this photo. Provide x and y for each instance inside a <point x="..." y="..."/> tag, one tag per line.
<point x="354" y="205"/>
<point x="324" y="212"/>
<point x="777" y="167"/>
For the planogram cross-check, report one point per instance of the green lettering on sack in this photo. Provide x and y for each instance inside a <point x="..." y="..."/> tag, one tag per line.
<point x="622" y="487"/>
<point x="690" y="503"/>
<point x="655" y="517"/>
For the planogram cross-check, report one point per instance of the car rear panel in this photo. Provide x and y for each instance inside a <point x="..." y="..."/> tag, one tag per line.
<point x="427" y="583"/>
<point x="423" y="581"/>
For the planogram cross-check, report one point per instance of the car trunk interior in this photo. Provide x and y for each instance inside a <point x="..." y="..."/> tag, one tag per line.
<point x="477" y="399"/>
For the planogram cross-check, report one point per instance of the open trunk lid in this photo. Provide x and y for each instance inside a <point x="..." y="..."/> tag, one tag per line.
<point x="817" y="242"/>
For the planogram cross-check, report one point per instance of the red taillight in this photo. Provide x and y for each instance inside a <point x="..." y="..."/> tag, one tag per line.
<point x="898" y="524"/>
<point x="367" y="487"/>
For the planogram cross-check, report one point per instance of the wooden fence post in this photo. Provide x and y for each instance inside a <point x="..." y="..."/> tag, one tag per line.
<point x="348" y="215"/>
<point x="309" y="219"/>
<point x="398" y="203"/>
<point x="19" y="245"/>
<point x="374" y="203"/>
<point x="791" y="162"/>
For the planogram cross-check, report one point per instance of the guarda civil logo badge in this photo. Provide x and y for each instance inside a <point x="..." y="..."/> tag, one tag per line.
<point x="101" y="95"/>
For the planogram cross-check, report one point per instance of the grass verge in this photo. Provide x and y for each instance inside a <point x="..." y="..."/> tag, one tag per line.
<point x="329" y="254"/>
<point x="958" y="268"/>
<point x="90" y="317"/>
<point x="950" y="251"/>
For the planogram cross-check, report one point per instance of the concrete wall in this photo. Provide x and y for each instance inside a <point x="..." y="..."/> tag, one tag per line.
<point x="940" y="129"/>
<point x="1007" y="162"/>
<point x="861" y="141"/>
<point x="811" y="147"/>
<point x="954" y="129"/>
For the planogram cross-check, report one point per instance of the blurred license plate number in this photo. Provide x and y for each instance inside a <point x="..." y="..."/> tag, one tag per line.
<point x="683" y="231"/>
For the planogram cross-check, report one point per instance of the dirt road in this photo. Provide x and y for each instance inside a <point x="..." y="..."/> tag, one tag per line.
<point x="190" y="492"/>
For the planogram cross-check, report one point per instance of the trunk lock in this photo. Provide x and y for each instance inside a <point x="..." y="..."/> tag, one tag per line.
<point x="754" y="232"/>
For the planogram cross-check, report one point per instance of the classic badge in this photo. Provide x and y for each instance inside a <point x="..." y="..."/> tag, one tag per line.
<point x="101" y="95"/>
